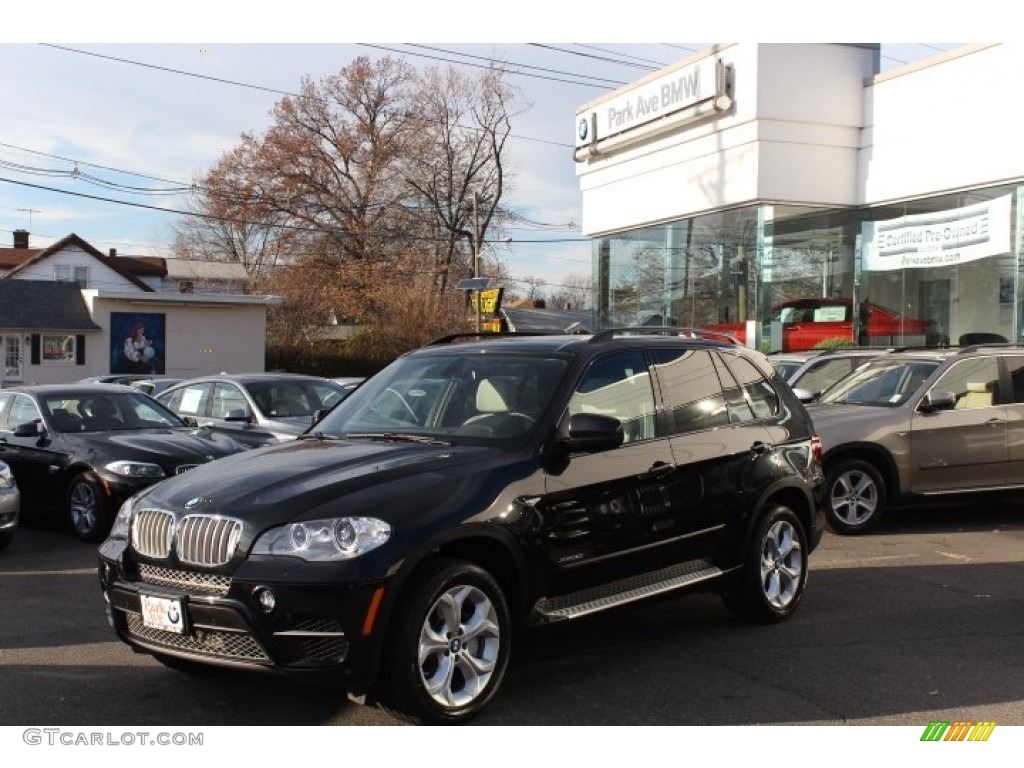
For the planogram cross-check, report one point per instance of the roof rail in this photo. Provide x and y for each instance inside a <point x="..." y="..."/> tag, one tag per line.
<point x="664" y="330"/>
<point x="998" y="344"/>
<point x="489" y="335"/>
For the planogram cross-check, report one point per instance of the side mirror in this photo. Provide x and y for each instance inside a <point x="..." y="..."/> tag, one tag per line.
<point x="590" y="432"/>
<point x="319" y="414"/>
<point x="238" y="414"/>
<point x="938" y="400"/>
<point x="30" y="429"/>
<point x="191" y="421"/>
<point x="804" y="395"/>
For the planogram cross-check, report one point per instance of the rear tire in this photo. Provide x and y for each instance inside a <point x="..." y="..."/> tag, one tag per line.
<point x="771" y="584"/>
<point x="854" y="497"/>
<point x="450" y="648"/>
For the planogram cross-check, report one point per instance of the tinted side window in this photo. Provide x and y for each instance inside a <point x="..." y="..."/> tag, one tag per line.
<point x="619" y="385"/>
<point x="740" y="409"/>
<point x="759" y="392"/>
<point x="1014" y="362"/>
<point x="691" y="390"/>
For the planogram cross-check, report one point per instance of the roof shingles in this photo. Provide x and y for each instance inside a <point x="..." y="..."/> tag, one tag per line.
<point x="43" y="305"/>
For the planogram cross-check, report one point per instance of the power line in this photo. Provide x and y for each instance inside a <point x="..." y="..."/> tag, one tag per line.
<point x="169" y="69"/>
<point x="647" y="65"/>
<point x="515" y="64"/>
<point x="289" y="93"/>
<point x="196" y="214"/>
<point x="480" y="66"/>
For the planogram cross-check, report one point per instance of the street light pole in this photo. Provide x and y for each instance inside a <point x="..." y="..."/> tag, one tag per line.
<point x="476" y="253"/>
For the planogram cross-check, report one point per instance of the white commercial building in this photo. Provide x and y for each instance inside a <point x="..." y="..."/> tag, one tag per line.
<point x="756" y="174"/>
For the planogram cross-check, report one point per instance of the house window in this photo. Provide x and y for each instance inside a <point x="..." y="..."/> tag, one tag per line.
<point x="58" y="348"/>
<point x="65" y="273"/>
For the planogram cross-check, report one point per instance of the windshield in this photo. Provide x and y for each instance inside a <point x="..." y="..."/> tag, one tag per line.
<point x="475" y="397"/>
<point x="884" y="382"/>
<point x="787" y="368"/>
<point x="108" y="411"/>
<point x="289" y="398"/>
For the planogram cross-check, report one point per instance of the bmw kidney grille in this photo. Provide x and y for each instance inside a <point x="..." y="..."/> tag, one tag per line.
<point x="204" y="540"/>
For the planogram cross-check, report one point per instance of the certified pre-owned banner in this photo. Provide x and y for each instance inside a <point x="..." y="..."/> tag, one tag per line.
<point x="938" y="239"/>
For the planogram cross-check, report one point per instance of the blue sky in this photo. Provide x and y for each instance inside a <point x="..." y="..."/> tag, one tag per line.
<point x="128" y="121"/>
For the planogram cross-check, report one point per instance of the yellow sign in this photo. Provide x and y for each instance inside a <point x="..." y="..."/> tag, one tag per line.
<point x="490" y="300"/>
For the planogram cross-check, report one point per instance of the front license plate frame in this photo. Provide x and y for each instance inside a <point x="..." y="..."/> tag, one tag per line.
<point x="166" y="614"/>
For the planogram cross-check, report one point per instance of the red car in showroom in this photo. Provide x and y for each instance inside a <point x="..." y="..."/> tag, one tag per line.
<point x="808" y="322"/>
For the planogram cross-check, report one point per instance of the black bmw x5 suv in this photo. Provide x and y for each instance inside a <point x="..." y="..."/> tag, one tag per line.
<point x="475" y="486"/>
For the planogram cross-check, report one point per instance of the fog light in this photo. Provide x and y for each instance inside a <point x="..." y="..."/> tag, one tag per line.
<point x="265" y="599"/>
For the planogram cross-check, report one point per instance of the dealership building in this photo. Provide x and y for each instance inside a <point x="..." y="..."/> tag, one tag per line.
<point x="750" y="175"/>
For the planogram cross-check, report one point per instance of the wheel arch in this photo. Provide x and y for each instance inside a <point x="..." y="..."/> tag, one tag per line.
<point x="482" y="545"/>
<point x="878" y="457"/>
<point x="796" y="497"/>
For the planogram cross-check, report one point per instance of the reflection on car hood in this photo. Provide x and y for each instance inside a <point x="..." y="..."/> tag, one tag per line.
<point x="273" y="485"/>
<point x="160" y="444"/>
<point x="290" y="425"/>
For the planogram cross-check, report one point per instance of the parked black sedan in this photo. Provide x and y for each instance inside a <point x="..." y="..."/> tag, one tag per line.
<point x="82" y="449"/>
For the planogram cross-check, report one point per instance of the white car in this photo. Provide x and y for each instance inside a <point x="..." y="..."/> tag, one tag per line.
<point x="10" y="505"/>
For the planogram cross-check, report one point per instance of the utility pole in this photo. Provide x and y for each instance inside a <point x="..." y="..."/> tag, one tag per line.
<point x="476" y="253"/>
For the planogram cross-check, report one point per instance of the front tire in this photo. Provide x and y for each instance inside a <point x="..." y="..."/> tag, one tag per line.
<point x="450" y="648"/>
<point x="855" y="497"/>
<point x="88" y="510"/>
<point x="771" y="584"/>
<point x="5" y="539"/>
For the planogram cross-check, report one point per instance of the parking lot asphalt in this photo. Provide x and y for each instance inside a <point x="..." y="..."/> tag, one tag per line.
<point x="922" y="620"/>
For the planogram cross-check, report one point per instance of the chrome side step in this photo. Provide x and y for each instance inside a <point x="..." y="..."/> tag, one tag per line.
<point x="617" y="593"/>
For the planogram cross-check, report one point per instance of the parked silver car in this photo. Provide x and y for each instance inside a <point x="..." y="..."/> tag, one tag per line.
<point x="10" y="506"/>
<point x="255" y="409"/>
<point x="811" y="372"/>
<point x="921" y="423"/>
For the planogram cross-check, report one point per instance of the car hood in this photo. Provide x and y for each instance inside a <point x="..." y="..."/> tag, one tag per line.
<point x="838" y="424"/>
<point x="162" y="446"/>
<point x="306" y="479"/>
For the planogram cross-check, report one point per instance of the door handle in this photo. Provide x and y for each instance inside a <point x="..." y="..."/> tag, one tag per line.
<point x="995" y="422"/>
<point x="660" y="469"/>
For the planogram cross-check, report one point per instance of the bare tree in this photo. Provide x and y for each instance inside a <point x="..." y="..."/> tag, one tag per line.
<point x="575" y="292"/>
<point x="365" y="186"/>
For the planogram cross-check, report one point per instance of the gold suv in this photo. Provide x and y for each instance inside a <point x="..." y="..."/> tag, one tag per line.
<point x="921" y="423"/>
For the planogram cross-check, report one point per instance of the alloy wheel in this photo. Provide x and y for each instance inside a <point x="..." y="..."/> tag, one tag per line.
<point x="782" y="564"/>
<point x="459" y="646"/>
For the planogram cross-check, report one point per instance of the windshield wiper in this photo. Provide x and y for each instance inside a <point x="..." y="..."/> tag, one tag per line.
<point x="317" y="436"/>
<point x="394" y="436"/>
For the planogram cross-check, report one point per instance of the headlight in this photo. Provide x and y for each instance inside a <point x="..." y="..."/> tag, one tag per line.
<point x="123" y="521"/>
<point x="336" y="538"/>
<point x="135" y="469"/>
<point x="6" y="478"/>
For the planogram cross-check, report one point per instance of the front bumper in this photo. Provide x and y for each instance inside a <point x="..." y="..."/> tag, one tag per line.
<point x="324" y="631"/>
